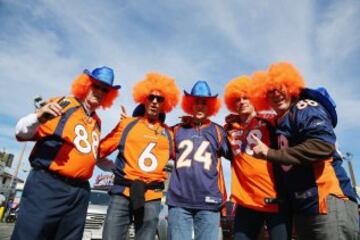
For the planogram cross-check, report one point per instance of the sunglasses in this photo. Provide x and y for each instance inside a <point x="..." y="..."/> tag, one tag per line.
<point x="101" y="88"/>
<point x="159" y="99"/>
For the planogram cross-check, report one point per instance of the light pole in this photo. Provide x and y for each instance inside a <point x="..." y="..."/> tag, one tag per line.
<point x="348" y="156"/>
<point x="14" y="176"/>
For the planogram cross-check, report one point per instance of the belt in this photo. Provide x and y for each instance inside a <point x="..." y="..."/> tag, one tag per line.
<point x="68" y="180"/>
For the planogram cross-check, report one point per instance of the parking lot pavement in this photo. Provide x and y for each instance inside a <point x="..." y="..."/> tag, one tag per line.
<point x="6" y="230"/>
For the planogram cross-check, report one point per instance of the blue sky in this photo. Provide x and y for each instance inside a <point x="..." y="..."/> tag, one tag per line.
<point x="44" y="45"/>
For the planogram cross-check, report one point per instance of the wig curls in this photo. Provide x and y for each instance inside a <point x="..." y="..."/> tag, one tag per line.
<point x="279" y="76"/>
<point x="157" y="82"/>
<point x="81" y="87"/>
<point x="213" y="104"/>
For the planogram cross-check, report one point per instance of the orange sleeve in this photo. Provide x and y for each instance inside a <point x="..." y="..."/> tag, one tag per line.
<point x="110" y="143"/>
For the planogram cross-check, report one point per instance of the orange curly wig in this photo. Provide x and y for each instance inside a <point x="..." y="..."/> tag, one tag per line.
<point x="157" y="82"/>
<point x="213" y="105"/>
<point x="81" y="87"/>
<point x="279" y="75"/>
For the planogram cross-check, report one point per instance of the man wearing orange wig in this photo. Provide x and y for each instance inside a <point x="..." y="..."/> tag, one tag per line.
<point x="323" y="200"/>
<point x="196" y="190"/>
<point x="67" y="133"/>
<point x="254" y="183"/>
<point x="144" y="145"/>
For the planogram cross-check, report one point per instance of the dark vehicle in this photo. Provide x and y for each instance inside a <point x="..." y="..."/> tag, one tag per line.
<point x="227" y="221"/>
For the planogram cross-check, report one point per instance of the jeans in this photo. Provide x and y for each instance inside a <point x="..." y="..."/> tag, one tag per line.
<point x="248" y="224"/>
<point x="183" y="220"/>
<point x="341" y="222"/>
<point x="119" y="216"/>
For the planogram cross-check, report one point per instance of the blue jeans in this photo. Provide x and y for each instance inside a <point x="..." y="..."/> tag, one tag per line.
<point x="248" y="224"/>
<point x="182" y="220"/>
<point x="119" y="216"/>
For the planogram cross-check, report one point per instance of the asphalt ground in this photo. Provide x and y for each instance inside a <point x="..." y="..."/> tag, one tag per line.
<point x="6" y="230"/>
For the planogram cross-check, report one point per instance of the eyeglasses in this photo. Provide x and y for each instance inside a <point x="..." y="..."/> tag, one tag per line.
<point x="101" y="88"/>
<point x="158" y="98"/>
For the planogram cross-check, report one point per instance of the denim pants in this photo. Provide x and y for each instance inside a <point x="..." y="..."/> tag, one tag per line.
<point x="119" y="216"/>
<point x="248" y="224"/>
<point x="183" y="220"/>
<point x="51" y="209"/>
<point x="341" y="222"/>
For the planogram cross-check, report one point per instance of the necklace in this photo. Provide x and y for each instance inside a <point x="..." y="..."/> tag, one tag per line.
<point x="152" y="127"/>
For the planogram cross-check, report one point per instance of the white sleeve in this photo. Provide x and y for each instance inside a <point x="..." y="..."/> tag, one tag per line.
<point x="27" y="126"/>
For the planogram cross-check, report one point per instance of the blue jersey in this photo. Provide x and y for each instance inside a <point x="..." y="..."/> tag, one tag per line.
<point x="196" y="181"/>
<point x="309" y="185"/>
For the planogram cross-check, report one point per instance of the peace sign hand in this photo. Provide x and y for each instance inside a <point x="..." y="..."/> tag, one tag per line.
<point x="123" y="113"/>
<point x="260" y="149"/>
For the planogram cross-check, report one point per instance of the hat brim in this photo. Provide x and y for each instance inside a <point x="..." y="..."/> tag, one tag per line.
<point x="189" y="95"/>
<point x="324" y="101"/>
<point x="87" y="72"/>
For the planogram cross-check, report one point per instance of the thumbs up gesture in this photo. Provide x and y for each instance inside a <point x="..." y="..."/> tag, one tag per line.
<point x="260" y="149"/>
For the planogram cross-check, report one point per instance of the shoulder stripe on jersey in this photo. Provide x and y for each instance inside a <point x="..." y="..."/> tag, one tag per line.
<point x="120" y="161"/>
<point x="219" y="135"/>
<point x="125" y="134"/>
<point x="60" y="127"/>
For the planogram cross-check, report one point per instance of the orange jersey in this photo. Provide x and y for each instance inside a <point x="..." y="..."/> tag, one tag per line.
<point x="68" y="144"/>
<point x="144" y="150"/>
<point x="252" y="180"/>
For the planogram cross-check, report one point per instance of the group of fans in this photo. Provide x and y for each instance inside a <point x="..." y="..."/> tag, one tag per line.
<point x="279" y="137"/>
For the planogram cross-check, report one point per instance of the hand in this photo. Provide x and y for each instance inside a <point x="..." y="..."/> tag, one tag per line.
<point x="186" y="119"/>
<point x="49" y="111"/>
<point x="123" y="113"/>
<point x="232" y="118"/>
<point x="260" y="149"/>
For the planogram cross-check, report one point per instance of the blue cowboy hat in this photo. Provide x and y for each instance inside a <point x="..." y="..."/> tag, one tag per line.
<point x="322" y="96"/>
<point x="200" y="89"/>
<point x="139" y="111"/>
<point x="104" y="75"/>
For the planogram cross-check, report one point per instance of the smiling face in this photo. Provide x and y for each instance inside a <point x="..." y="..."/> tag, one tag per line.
<point x="279" y="100"/>
<point x="153" y="105"/>
<point x="95" y="96"/>
<point x="243" y="105"/>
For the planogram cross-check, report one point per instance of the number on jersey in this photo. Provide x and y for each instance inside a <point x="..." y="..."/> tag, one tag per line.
<point x="306" y="102"/>
<point x="238" y="146"/>
<point x="82" y="143"/>
<point x="201" y="155"/>
<point x="147" y="160"/>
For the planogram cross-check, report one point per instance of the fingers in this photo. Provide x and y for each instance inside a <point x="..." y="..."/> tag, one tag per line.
<point x="49" y="111"/>
<point x="123" y="109"/>
<point x="231" y="118"/>
<point x="123" y="113"/>
<point x="56" y="109"/>
<point x="257" y="140"/>
<point x="123" y="116"/>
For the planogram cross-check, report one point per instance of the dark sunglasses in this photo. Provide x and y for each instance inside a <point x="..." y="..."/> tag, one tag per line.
<point x="101" y="88"/>
<point x="159" y="99"/>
